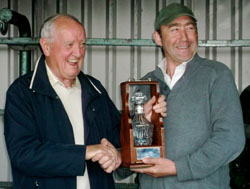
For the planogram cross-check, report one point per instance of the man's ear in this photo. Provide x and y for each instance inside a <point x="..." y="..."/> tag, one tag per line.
<point x="45" y="45"/>
<point x="157" y="38"/>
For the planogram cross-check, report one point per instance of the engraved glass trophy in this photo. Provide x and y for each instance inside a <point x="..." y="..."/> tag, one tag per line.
<point x="142" y="128"/>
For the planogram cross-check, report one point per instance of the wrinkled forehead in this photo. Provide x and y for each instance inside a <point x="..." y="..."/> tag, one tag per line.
<point x="182" y="19"/>
<point x="65" y="24"/>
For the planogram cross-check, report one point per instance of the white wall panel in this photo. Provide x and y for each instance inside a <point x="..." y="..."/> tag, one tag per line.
<point x="5" y="172"/>
<point x="98" y="31"/>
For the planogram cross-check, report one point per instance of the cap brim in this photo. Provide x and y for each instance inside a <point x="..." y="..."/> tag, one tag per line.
<point x="170" y="19"/>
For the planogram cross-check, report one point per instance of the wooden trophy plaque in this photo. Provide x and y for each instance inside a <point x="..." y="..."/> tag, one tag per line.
<point x="131" y="154"/>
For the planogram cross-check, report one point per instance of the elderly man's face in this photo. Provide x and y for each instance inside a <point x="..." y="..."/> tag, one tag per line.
<point x="179" y="39"/>
<point x="66" y="52"/>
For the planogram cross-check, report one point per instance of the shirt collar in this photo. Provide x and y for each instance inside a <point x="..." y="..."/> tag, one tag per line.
<point x="55" y="81"/>
<point x="178" y="72"/>
<point x="163" y="65"/>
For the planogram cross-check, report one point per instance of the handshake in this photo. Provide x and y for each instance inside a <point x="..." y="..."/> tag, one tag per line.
<point x="105" y="154"/>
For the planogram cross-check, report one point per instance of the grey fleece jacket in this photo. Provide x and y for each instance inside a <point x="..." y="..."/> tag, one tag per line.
<point x="203" y="129"/>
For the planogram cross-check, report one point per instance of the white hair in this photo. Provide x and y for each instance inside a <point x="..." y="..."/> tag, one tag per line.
<point x="48" y="27"/>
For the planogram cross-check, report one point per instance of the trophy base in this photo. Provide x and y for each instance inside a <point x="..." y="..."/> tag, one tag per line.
<point x="140" y="166"/>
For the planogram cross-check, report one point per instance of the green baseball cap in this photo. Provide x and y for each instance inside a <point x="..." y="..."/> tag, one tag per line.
<point x="171" y="12"/>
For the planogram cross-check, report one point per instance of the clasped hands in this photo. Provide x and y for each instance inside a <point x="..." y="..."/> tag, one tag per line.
<point x="105" y="154"/>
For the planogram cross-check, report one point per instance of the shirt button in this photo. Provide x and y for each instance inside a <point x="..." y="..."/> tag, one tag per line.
<point x="93" y="109"/>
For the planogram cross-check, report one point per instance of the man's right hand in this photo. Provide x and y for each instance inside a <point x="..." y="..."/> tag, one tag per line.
<point x="106" y="154"/>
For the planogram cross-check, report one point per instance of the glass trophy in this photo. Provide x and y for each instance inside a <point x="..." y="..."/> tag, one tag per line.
<point x="139" y="137"/>
<point x="142" y="128"/>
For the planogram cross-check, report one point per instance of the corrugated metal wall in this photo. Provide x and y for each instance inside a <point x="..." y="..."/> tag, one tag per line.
<point x="127" y="19"/>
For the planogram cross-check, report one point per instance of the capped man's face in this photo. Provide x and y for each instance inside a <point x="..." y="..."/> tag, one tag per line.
<point x="179" y="39"/>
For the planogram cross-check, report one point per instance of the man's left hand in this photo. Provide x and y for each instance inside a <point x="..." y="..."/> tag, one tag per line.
<point x="159" y="107"/>
<point x="161" y="167"/>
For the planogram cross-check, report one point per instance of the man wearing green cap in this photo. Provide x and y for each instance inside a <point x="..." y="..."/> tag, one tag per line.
<point x="204" y="127"/>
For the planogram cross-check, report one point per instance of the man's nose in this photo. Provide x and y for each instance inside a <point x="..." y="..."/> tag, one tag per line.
<point x="184" y="35"/>
<point x="77" y="51"/>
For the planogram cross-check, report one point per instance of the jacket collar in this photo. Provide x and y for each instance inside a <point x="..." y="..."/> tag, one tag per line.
<point x="40" y="82"/>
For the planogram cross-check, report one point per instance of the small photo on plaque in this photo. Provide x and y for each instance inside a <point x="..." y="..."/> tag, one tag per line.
<point x="153" y="152"/>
